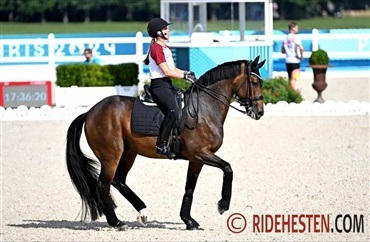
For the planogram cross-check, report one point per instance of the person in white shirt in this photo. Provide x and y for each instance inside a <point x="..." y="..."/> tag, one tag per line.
<point x="293" y="49"/>
<point x="162" y="68"/>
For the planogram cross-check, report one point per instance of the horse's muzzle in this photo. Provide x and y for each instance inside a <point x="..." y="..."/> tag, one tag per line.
<point x="259" y="114"/>
<point x="255" y="113"/>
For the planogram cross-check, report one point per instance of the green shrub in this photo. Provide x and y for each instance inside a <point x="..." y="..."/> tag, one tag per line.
<point x="319" y="57"/>
<point x="181" y="83"/>
<point x="83" y="75"/>
<point x="273" y="90"/>
<point x="96" y="76"/>
<point x="124" y="74"/>
<point x="68" y="75"/>
<point x="278" y="89"/>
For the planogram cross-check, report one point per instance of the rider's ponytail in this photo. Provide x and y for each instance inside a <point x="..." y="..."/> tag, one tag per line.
<point x="146" y="61"/>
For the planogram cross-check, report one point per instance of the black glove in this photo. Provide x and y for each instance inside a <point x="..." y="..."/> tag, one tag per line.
<point x="190" y="76"/>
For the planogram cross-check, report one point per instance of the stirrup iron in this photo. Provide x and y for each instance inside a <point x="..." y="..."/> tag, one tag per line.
<point x="165" y="151"/>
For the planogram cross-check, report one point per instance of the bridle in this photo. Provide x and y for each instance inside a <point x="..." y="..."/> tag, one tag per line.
<point x="245" y="102"/>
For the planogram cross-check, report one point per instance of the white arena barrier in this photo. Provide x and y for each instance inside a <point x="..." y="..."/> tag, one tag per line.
<point x="305" y="108"/>
<point x="87" y="96"/>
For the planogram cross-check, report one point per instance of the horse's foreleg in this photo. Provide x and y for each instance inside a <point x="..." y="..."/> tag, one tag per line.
<point x="119" y="182"/>
<point x="191" y="181"/>
<point x="213" y="160"/>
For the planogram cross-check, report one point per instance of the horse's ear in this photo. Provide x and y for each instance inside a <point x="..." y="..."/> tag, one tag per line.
<point x="255" y="62"/>
<point x="261" y="64"/>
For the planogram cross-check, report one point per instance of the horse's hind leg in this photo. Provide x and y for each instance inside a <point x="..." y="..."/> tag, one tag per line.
<point x="106" y="176"/>
<point x="119" y="182"/>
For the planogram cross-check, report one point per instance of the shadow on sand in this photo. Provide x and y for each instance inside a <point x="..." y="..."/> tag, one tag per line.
<point x="81" y="225"/>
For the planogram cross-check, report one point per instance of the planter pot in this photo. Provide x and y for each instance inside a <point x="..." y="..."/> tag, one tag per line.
<point x="319" y="84"/>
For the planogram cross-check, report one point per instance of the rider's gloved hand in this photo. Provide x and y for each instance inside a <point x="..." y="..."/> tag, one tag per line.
<point x="190" y="76"/>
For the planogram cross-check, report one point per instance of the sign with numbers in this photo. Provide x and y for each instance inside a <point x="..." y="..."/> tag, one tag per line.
<point x="30" y="94"/>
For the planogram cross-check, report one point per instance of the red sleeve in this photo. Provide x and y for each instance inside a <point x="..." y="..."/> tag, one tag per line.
<point x="156" y="52"/>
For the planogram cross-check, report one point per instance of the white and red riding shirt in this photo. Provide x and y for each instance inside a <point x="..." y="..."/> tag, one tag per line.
<point x="158" y="55"/>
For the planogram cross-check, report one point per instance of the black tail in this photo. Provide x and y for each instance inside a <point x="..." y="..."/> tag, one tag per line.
<point x="83" y="171"/>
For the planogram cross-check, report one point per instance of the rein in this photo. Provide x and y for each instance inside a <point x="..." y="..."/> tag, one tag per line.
<point x="246" y="102"/>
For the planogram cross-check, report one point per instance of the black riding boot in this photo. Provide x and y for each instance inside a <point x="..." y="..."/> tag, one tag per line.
<point x="164" y="134"/>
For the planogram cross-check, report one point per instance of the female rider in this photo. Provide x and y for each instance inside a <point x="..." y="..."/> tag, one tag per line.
<point x="162" y="68"/>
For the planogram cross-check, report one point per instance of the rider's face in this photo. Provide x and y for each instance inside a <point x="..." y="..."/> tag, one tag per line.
<point x="166" y="32"/>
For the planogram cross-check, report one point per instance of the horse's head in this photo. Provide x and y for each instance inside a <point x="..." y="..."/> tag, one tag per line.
<point x="248" y="89"/>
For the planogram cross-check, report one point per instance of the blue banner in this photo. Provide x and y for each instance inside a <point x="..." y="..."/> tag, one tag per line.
<point x="39" y="48"/>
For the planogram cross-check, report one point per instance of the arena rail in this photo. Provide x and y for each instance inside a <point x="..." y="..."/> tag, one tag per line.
<point x="338" y="45"/>
<point x="51" y="51"/>
<point x="306" y="108"/>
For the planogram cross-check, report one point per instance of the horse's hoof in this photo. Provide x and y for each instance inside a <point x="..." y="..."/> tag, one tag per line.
<point x="222" y="207"/>
<point x="143" y="219"/>
<point x="193" y="228"/>
<point x="219" y="208"/>
<point x="121" y="226"/>
<point x="192" y="225"/>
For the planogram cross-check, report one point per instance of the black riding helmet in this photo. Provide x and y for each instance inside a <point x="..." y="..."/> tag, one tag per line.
<point x="156" y="25"/>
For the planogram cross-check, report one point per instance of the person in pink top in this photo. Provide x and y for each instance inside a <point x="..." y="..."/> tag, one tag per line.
<point x="161" y="69"/>
<point x="293" y="49"/>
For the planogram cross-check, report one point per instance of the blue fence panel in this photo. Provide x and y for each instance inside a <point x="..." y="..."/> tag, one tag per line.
<point x="72" y="45"/>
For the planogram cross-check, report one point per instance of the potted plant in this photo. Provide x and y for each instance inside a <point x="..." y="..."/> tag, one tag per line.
<point x="319" y="62"/>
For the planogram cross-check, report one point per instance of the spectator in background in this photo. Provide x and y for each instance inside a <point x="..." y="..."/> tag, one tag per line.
<point x="275" y="7"/>
<point x="90" y="59"/>
<point x="293" y="49"/>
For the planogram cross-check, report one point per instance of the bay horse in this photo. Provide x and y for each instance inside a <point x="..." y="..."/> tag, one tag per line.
<point x="109" y="135"/>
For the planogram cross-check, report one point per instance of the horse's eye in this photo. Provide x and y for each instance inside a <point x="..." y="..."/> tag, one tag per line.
<point x="255" y="84"/>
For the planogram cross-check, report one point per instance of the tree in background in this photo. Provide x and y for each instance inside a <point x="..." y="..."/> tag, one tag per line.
<point x="212" y="10"/>
<point x="298" y="9"/>
<point x="63" y="6"/>
<point x="86" y="6"/>
<point x="143" y="10"/>
<point x="109" y="5"/>
<point x="136" y="9"/>
<point x="8" y="6"/>
<point x="27" y="9"/>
